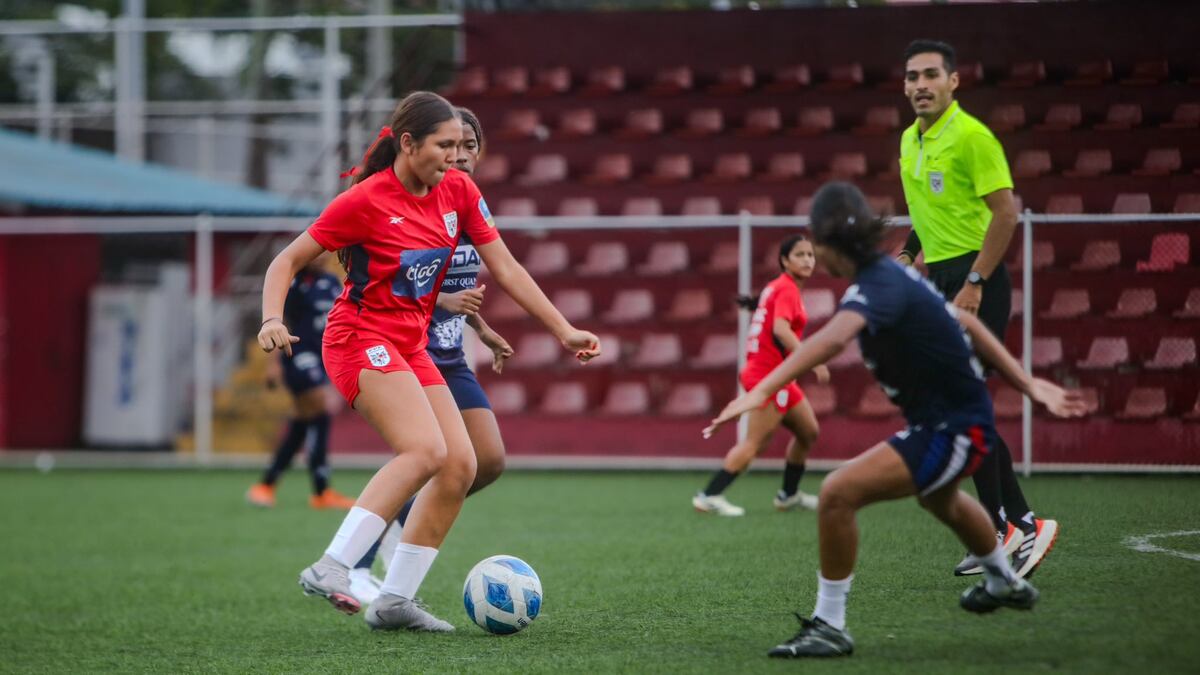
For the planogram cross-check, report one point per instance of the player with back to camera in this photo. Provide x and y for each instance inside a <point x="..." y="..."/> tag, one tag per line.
<point x="775" y="329"/>
<point x="396" y="229"/>
<point x="920" y="349"/>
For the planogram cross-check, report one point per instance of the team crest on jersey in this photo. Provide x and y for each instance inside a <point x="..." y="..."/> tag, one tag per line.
<point x="379" y="356"/>
<point x="451" y="221"/>
<point x="937" y="182"/>
<point x="486" y="213"/>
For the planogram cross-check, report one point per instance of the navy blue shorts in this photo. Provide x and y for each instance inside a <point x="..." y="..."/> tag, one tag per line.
<point x="304" y="371"/>
<point x="463" y="386"/>
<point x="937" y="457"/>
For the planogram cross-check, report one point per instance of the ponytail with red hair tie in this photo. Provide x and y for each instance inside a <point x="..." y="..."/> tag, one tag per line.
<point x="385" y="132"/>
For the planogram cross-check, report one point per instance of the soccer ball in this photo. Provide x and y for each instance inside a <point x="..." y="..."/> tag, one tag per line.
<point x="502" y="594"/>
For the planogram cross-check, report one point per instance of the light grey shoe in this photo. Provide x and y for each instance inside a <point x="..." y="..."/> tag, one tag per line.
<point x="330" y="579"/>
<point x="392" y="612"/>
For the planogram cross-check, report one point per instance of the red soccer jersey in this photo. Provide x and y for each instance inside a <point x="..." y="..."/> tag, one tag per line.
<point x="399" y="245"/>
<point x="779" y="300"/>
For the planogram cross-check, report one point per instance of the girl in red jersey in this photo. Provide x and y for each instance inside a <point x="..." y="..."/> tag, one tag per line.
<point x="395" y="230"/>
<point x="775" y="330"/>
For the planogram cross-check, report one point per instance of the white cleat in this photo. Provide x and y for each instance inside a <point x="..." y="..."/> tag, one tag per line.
<point x="392" y="612"/>
<point x="330" y="579"/>
<point x="716" y="504"/>
<point x="363" y="586"/>
<point x="801" y="499"/>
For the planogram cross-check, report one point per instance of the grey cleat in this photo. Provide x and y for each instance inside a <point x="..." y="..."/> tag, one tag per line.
<point x="1020" y="595"/>
<point x="392" y="612"/>
<point x="330" y="579"/>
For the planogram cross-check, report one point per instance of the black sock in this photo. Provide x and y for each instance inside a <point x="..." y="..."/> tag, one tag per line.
<point x="318" y="455"/>
<point x="1015" y="507"/>
<point x="719" y="482"/>
<point x="987" y="486"/>
<point x="368" y="558"/>
<point x="402" y="517"/>
<point x="792" y="473"/>
<point x="292" y="440"/>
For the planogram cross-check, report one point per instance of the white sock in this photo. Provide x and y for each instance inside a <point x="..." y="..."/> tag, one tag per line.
<point x="358" y="532"/>
<point x="408" y="569"/>
<point x="997" y="573"/>
<point x="831" y="601"/>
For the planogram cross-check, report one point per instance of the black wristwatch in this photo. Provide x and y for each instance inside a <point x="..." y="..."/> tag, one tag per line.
<point x="975" y="279"/>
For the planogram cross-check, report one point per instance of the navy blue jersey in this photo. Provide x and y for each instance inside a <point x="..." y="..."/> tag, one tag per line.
<point x="446" y="329"/>
<point x="309" y="300"/>
<point x="916" y="347"/>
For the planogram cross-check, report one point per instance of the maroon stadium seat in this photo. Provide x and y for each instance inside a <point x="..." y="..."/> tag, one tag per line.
<point x="604" y="81"/>
<point x="788" y="79"/>
<point x="1016" y="304"/>
<point x="608" y="169"/>
<point x="509" y="81"/>
<point x="1099" y="255"/>
<point x="575" y="304"/>
<point x="724" y="257"/>
<point x="688" y="400"/>
<point x="1032" y="164"/>
<point x="803" y="205"/>
<point x="1121" y="117"/>
<point x="1160" y="162"/>
<point x="1189" y="202"/>
<point x="671" y="80"/>
<point x="642" y="123"/>
<point x="844" y="76"/>
<point x="520" y="124"/>
<point x="1068" y="303"/>
<point x="703" y="122"/>
<point x="612" y="351"/>
<point x="1135" y="303"/>
<point x="517" y="207"/>
<point x="970" y="73"/>
<point x="1064" y="204"/>
<point x="814" y="121"/>
<point x="1166" y="251"/>
<point x="642" y="206"/>
<point x="671" y="169"/>
<point x="630" y="305"/>
<point x="544" y="170"/>
<point x="470" y="82"/>
<point x="784" y="166"/>
<point x="762" y="122"/>
<point x="503" y="308"/>
<point x="507" y="398"/>
<point x="879" y="120"/>
<point x="691" y="304"/>
<point x="1105" y="353"/>
<point x="1007" y="403"/>
<point x="717" y="351"/>
<point x="822" y="398"/>
<point x="848" y="166"/>
<point x="819" y="304"/>
<point x="1191" y="306"/>
<point x="565" y="398"/>
<point x="665" y="258"/>
<point x="536" y="350"/>
<point x="1091" y="163"/>
<point x="1047" y="352"/>
<point x="1062" y="117"/>
<point x="494" y="170"/>
<point x="577" y="123"/>
<point x="1132" y="203"/>
<point x="731" y="167"/>
<point x="1193" y="415"/>
<point x="547" y="257"/>
<point x="1091" y="74"/>
<point x="733" y="80"/>
<point x="699" y="205"/>
<point x="658" y="350"/>
<point x="1006" y="118"/>
<point x="1144" y="403"/>
<point x="757" y="205"/>
<point x="604" y="259"/>
<point x="1173" y="353"/>
<point x="1023" y="74"/>
<point x="874" y="404"/>
<point x="1043" y="255"/>
<point x="1147" y="73"/>
<point x="551" y="81"/>
<point x="578" y="207"/>
<point x="626" y="398"/>
<point x="1185" y="116"/>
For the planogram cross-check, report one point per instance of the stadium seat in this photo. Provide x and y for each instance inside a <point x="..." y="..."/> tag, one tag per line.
<point x="874" y="404"/>
<point x="784" y="166"/>
<point x="1007" y="403"/>
<point x="970" y="73"/>
<point x="757" y="205"/>
<point x="762" y="122"/>
<point x="671" y="80"/>
<point x="1062" y="117"/>
<point x="509" y="81"/>
<point x="493" y="171"/>
<point x="626" y="399"/>
<point x="848" y="166"/>
<point x="819" y="304"/>
<point x="813" y="121"/>
<point x="536" y="350"/>
<point x="604" y="81"/>
<point x="547" y="257"/>
<point x="703" y="122"/>
<point x="544" y="170"/>
<point x="642" y="123"/>
<point x="688" y="400"/>
<point x="1185" y="116"/>
<point x="1160" y="162"/>
<point x="701" y="206"/>
<point x="1147" y="74"/>
<point x="1193" y="415"/>
<point x="578" y="207"/>
<point x="731" y="167"/>
<point x="1188" y="202"/>
<point x="691" y="304"/>
<point x="1016" y="304"/>
<point x="1173" y="353"/>
<point x="1134" y="303"/>
<point x="642" y="206"/>
<point x="1091" y="163"/>
<point x="1144" y="403"/>
<point x="1043" y="255"/>
<point x="671" y="169"/>
<point x="1191" y="306"/>
<point x="630" y="305"/>
<point x="1121" y="117"/>
<point x="551" y="81"/>
<point x="603" y="259"/>
<point x="803" y="206"/>
<point x="471" y="82"/>
<point x="1024" y="74"/>
<point x="1098" y="256"/>
<point x="844" y="76"/>
<point x="733" y="80"/>
<point x="608" y="169"/>
<point x="786" y="79"/>
<point x="658" y="350"/>
<point x="502" y="307"/>
<point x="1047" y="352"/>
<point x="717" y="351"/>
<point x="1166" y="251"/>
<point x="565" y="398"/>
<point x="822" y="398"/>
<point x="577" y="123"/>
<point x="1105" y="353"/>
<point x="611" y="353"/>
<point x="517" y="207"/>
<point x="1064" y="204"/>
<point x="520" y="124"/>
<point x="1032" y="164"/>
<point x="879" y="120"/>
<point x="1068" y="303"/>
<point x="665" y="258"/>
<point x="507" y="398"/>
<point x="849" y="357"/>
<point x="724" y="258"/>
<point x="1006" y="118"/>
<point x="574" y="304"/>
<point x="1091" y="74"/>
<point x="1132" y="203"/>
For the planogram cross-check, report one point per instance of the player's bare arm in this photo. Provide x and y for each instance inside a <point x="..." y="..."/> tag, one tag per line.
<point x="298" y="254"/>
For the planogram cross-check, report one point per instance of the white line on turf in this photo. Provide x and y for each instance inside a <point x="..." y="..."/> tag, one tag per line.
<point x="1142" y="543"/>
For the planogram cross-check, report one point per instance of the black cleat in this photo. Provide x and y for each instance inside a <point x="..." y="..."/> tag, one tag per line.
<point x="1021" y="595"/>
<point x="815" y="639"/>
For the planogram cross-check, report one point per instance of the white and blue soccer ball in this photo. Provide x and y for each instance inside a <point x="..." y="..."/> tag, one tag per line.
<point x="502" y="594"/>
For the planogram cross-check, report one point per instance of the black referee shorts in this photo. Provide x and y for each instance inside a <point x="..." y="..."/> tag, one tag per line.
<point x="948" y="276"/>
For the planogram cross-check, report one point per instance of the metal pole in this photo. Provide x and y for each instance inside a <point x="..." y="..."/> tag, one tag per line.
<point x="329" y="113"/>
<point x="206" y="147"/>
<point x="45" y="94"/>
<point x="202" y="403"/>
<point x="131" y="80"/>
<point x="745" y="270"/>
<point x="1027" y="337"/>
<point x="379" y="54"/>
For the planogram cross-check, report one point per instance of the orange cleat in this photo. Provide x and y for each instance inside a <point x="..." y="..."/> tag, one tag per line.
<point x="261" y="494"/>
<point x="331" y="499"/>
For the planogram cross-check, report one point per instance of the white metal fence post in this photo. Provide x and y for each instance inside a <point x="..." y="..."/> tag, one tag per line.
<point x="330" y="109"/>
<point x="1027" y="336"/>
<point x="202" y="403"/>
<point x="745" y="271"/>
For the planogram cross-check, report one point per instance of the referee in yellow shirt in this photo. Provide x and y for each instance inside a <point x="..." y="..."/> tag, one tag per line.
<point x="959" y="193"/>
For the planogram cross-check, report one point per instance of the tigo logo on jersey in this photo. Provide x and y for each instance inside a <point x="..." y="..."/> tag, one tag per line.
<point x="487" y="215"/>
<point x="379" y="356"/>
<point x="418" y="271"/>
<point x="451" y="221"/>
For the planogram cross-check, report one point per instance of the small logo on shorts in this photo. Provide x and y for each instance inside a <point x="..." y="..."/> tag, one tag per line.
<point x="379" y="356"/>
<point x="781" y="399"/>
<point x="937" y="182"/>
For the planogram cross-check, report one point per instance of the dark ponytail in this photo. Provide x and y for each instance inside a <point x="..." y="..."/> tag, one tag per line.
<point x="843" y="221"/>
<point x="750" y="302"/>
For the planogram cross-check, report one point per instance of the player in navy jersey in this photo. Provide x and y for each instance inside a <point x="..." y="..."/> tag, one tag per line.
<point x="920" y="349"/>
<point x="309" y="299"/>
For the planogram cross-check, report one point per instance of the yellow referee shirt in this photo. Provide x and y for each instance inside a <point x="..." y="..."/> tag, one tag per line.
<point x="946" y="172"/>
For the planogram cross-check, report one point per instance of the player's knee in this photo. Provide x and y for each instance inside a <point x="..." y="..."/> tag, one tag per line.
<point x="429" y="456"/>
<point x="459" y="468"/>
<point x="488" y="470"/>
<point x="808" y="436"/>
<point x="836" y="495"/>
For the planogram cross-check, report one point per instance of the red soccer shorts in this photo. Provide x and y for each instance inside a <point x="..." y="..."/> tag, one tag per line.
<point x="785" y="399"/>
<point x="345" y="360"/>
